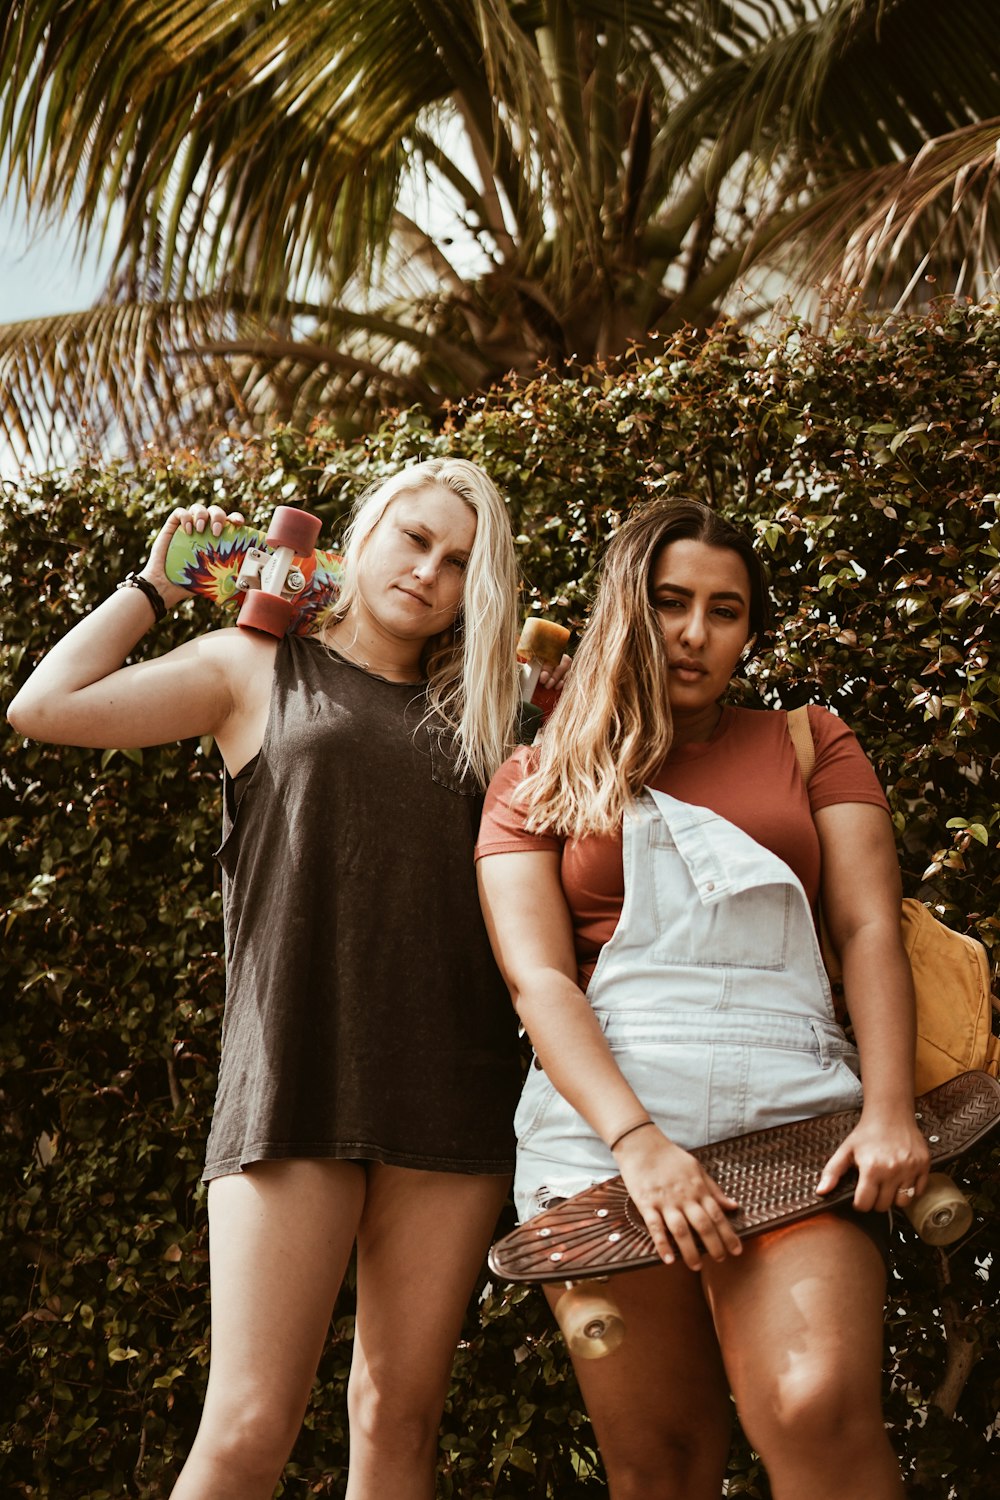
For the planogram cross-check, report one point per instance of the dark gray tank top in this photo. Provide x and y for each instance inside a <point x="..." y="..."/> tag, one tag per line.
<point x="365" y="1017"/>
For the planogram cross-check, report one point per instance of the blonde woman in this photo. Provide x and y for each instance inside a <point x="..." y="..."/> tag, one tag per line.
<point x="649" y="878"/>
<point x="369" y="1059"/>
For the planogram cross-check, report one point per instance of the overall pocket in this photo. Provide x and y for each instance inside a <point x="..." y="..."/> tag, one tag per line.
<point x="745" y="929"/>
<point x="536" y="1097"/>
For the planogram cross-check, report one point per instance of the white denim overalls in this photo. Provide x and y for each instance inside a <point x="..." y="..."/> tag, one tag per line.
<point x="712" y="996"/>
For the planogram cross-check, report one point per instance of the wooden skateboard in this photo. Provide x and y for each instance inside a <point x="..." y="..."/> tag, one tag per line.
<point x="771" y="1174"/>
<point x="277" y="579"/>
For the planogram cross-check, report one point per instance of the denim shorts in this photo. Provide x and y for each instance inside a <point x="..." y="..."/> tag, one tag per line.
<point x="700" y="1078"/>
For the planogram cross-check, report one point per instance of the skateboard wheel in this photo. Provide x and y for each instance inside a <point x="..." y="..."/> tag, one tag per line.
<point x="942" y="1213"/>
<point x="267" y="612"/>
<point x="297" y="529"/>
<point x="590" y="1323"/>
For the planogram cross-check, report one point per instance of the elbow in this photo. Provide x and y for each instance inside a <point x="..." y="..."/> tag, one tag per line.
<point x="26" y="715"/>
<point x="515" y="988"/>
<point x="514" y="991"/>
<point x="18" y="719"/>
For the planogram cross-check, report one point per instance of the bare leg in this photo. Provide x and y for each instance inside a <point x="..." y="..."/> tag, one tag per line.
<point x="660" y="1403"/>
<point x="422" y="1240"/>
<point x="799" y="1320"/>
<point x="280" y="1235"/>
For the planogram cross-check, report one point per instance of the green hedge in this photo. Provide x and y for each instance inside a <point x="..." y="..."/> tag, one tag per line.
<point x="866" y="465"/>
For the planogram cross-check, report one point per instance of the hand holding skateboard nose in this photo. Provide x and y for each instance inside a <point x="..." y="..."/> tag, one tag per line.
<point x="541" y="654"/>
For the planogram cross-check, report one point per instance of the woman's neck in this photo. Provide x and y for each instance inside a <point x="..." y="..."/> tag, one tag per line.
<point x="696" y="728"/>
<point x="384" y="656"/>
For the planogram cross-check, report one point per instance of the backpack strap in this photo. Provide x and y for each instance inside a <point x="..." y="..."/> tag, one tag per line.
<point x="801" y="732"/>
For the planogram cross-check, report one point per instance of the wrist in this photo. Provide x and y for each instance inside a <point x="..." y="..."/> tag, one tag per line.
<point x="171" y="593"/>
<point x="155" y="599"/>
<point x="628" y="1132"/>
<point x="889" y="1108"/>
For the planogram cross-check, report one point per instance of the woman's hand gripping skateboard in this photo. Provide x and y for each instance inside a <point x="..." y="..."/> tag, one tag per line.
<point x="685" y="1210"/>
<point x="771" y="1178"/>
<point x="278" y="579"/>
<point x="193" y="521"/>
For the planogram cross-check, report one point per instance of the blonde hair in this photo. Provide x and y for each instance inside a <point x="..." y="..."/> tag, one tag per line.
<point x="471" y="668"/>
<point x="612" y="727"/>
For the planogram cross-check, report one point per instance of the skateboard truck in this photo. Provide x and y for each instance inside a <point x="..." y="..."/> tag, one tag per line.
<point x="257" y="572"/>
<point x="269" y="581"/>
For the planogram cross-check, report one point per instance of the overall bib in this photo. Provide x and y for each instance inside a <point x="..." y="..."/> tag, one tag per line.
<point x="712" y="996"/>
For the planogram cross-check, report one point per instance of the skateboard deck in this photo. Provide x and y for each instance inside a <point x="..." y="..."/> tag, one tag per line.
<point x="770" y="1173"/>
<point x="211" y="567"/>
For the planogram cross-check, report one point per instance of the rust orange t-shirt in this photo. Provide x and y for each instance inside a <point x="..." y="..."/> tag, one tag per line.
<point x="747" y="773"/>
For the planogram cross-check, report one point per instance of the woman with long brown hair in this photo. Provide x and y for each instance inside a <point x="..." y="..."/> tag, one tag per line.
<point x="650" y="875"/>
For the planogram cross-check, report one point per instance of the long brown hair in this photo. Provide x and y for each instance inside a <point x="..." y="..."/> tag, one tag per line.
<point x="612" y="728"/>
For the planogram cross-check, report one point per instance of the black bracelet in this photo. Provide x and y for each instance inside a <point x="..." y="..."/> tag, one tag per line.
<point x="639" y="1125"/>
<point x="152" y="593"/>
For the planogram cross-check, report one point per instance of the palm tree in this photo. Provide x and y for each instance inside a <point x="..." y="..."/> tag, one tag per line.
<point x="327" y="206"/>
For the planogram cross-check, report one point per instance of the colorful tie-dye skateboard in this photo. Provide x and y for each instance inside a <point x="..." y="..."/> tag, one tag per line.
<point x="276" y="579"/>
<point x="771" y="1174"/>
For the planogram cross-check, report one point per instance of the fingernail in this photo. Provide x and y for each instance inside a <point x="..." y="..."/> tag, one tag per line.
<point x="199" y="525"/>
<point x="217" y="527"/>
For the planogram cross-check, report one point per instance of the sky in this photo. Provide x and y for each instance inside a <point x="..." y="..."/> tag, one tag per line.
<point x="40" y="272"/>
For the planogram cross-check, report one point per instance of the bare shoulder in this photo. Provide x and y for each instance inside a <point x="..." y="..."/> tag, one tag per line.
<point x="242" y="663"/>
<point x="83" y="693"/>
<point x="233" y="652"/>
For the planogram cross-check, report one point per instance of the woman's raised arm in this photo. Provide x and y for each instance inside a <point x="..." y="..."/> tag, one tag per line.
<point x="81" y="693"/>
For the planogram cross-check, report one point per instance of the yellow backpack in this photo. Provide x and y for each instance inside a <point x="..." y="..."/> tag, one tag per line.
<point x="951" y="974"/>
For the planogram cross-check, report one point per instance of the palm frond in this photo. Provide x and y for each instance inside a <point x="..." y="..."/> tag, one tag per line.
<point x="855" y="84"/>
<point x="132" y="372"/>
<point x="934" y="217"/>
<point x="612" y="168"/>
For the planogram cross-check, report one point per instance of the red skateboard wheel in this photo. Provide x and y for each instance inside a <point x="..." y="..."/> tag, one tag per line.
<point x="267" y="612"/>
<point x="297" y="529"/>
